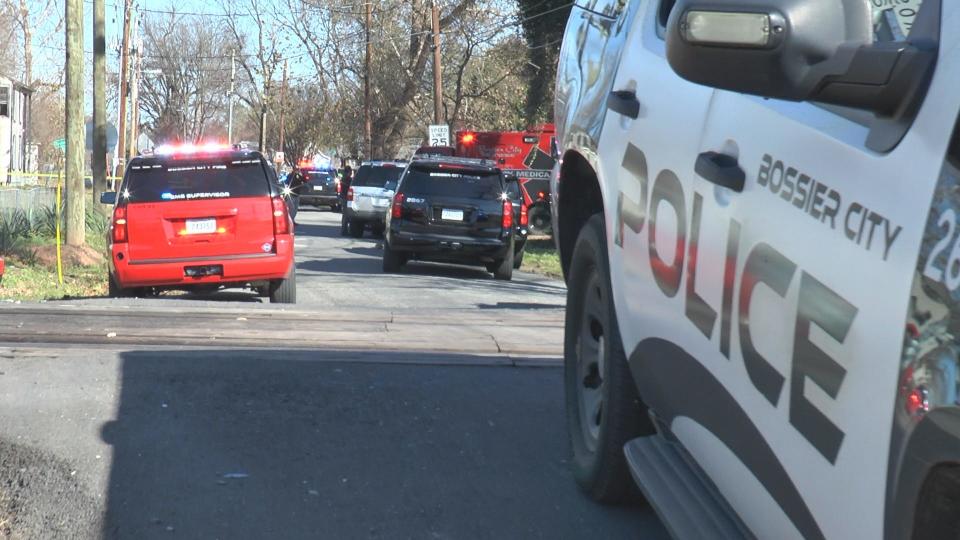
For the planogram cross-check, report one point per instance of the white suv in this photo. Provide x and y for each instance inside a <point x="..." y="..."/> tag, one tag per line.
<point x="757" y="213"/>
<point x="369" y="197"/>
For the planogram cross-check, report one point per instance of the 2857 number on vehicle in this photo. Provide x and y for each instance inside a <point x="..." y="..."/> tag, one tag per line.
<point x="943" y="266"/>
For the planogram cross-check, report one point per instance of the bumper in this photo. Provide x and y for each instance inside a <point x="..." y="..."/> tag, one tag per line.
<point x="450" y="248"/>
<point x="378" y="215"/>
<point x="236" y="269"/>
<point x="331" y="199"/>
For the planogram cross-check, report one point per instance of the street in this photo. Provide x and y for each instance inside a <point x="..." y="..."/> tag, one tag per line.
<point x="425" y="404"/>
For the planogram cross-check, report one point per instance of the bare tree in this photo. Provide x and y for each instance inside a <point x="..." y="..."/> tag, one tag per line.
<point x="185" y="78"/>
<point x="261" y="65"/>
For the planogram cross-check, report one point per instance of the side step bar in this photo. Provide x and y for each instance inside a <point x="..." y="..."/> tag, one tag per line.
<point x="686" y="501"/>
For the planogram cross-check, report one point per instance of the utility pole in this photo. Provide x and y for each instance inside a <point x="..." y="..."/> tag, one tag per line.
<point x="233" y="78"/>
<point x="27" y="43"/>
<point x="99" y="157"/>
<point x="367" y="120"/>
<point x="27" y="70"/>
<point x="124" y="68"/>
<point x="283" y="103"/>
<point x="437" y="67"/>
<point x="76" y="211"/>
<point x="135" y="88"/>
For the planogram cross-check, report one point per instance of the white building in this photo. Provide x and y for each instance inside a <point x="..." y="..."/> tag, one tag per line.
<point x="14" y="130"/>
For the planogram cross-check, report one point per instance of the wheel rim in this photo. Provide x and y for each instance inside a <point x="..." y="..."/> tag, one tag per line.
<point x="591" y="352"/>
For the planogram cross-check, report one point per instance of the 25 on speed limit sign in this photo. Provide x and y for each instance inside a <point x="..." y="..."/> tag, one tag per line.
<point x="439" y="135"/>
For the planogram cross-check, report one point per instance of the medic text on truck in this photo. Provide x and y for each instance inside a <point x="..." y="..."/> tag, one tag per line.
<point x="524" y="154"/>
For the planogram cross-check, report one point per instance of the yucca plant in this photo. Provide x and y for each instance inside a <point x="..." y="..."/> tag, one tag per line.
<point x="97" y="222"/>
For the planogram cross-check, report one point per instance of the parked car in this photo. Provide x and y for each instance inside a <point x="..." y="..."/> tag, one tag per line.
<point x="320" y="188"/>
<point x="369" y="195"/>
<point x="200" y="218"/>
<point x="757" y="221"/>
<point x="456" y="210"/>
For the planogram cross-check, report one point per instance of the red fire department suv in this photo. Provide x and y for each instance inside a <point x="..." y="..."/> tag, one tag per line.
<point x="200" y="218"/>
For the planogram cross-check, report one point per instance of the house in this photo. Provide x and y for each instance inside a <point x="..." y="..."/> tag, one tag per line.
<point x="14" y="130"/>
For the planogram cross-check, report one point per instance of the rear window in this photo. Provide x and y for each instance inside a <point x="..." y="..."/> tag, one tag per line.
<point x="379" y="176"/>
<point x="321" y="176"/>
<point x="193" y="180"/>
<point x="466" y="183"/>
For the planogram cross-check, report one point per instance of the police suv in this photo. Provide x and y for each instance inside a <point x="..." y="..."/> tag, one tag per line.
<point x="757" y="211"/>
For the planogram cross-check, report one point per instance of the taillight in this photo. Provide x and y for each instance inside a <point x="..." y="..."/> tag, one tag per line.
<point x="507" y="214"/>
<point x="397" y="210"/>
<point x="120" y="224"/>
<point x="524" y="216"/>
<point x="281" y="221"/>
<point x="918" y="402"/>
<point x="350" y="195"/>
<point x="339" y="185"/>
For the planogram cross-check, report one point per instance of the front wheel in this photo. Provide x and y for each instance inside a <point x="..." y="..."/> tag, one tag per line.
<point x="602" y="406"/>
<point x="284" y="291"/>
<point x="540" y="221"/>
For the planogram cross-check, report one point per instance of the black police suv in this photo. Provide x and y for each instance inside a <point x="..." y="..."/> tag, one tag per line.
<point x="320" y="188"/>
<point x="456" y="210"/>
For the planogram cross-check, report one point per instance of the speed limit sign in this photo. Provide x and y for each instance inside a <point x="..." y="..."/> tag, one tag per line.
<point x="439" y="135"/>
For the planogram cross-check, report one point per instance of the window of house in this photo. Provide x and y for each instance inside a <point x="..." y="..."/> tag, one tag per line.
<point x="4" y="101"/>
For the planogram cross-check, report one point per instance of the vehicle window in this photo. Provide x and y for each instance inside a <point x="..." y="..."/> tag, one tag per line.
<point x="319" y="176"/>
<point x="453" y="183"/>
<point x="191" y="180"/>
<point x="370" y="176"/>
<point x="893" y="19"/>
<point x="663" y="15"/>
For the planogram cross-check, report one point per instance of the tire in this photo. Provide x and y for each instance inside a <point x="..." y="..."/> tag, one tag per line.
<point x="284" y="291"/>
<point x="602" y="406"/>
<point x="344" y="224"/>
<point x="518" y="259"/>
<point x="392" y="261"/>
<point x="356" y="228"/>
<point x="503" y="269"/>
<point x="540" y="220"/>
<point x="116" y="291"/>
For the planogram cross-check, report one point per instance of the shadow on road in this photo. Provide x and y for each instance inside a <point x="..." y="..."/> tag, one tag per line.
<point x="281" y="444"/>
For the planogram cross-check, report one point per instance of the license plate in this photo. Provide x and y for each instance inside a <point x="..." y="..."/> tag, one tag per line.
<point x="451" y="215"/>
<point x="201" y="226"/>
<point x="318" y="188"/>
<point x="381" y="202"/>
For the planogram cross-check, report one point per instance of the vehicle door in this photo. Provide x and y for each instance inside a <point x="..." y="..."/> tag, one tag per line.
<point x="654" y="121"/>
<point x="796" y="290"/>
<point x="592" y="45"/>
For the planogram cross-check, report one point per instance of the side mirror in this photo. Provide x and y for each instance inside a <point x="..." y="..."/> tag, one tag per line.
<point x="799" y="50"/>
<point x="108" y="197"/>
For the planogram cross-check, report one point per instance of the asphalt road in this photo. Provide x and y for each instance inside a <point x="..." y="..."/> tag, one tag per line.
<point x="424" y="405"/>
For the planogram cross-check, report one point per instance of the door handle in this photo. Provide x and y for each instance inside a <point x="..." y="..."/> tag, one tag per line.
<point x="721" y="169"/>
<point x="624" y="102"/>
